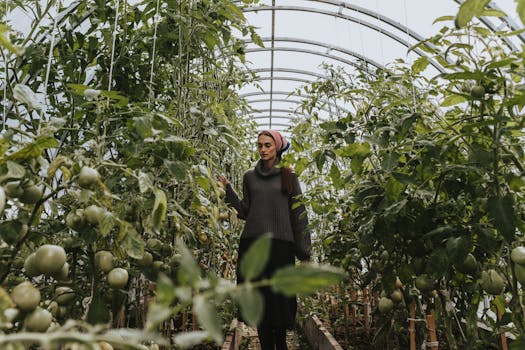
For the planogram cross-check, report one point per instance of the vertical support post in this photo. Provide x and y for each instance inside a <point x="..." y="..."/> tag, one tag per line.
<point x="194" y="322"/>
<point x="412" y="329"/>
<point x="502" y="335"/>
<point x="353" y="300"/>
<point x="367" y="312"/>
<point x="184" y="323"/>
<point x="431" y="324"/>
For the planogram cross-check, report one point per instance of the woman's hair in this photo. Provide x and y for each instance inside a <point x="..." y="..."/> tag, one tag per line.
<point x="286" y="171"/>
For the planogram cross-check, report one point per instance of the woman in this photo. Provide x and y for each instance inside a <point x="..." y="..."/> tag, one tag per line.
<point x="268" y="205"/>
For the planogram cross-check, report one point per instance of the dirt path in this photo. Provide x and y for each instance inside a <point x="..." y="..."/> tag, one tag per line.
<point x="294" y="340"/>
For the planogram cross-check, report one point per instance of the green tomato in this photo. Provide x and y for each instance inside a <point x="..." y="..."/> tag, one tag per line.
<point x="424" y="283"/>
<point x="492" y="282"/>
<point x="94" y="214"/>
<point x="118" y="278"/>
<point x="468" y="265"/>
<point x="38" y="321"/>
<point x="31" y="194"/>
<point x="63" y="274"/>
<point x="26" y="296"/>
<point x="519" y="270"/>
<point x="13" y="189"/>
<point x="51" y="259"/>
<point x="146" y="261"/>
<point x="477" y="92"/>
<point x="385" y="305"/>
<point x="88" y="177"/>
<point x="153" y="245"/>
<point x="64" y="295"/>
<point x="518" y="255"/>
<point x="397" y="296"/>
<point x="104" y="261"/>
<point x="31" y="266"/>
<point x="75" y="219"/>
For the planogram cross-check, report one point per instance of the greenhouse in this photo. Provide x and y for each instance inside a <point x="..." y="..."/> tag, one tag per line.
<point x="262" y="174"/>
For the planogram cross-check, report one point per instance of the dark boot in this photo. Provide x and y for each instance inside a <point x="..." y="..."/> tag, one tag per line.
<point x="280" y="339"/>
<point x="266" y="338"/>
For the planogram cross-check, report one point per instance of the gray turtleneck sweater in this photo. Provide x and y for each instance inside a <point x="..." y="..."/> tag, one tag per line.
<point x="267" y="209"/>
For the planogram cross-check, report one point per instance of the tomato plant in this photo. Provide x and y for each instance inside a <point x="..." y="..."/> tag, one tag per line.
<point x="423" y="181"/>
<point x="111" y="182"/>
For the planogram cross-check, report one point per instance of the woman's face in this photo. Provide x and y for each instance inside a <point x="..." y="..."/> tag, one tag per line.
<point x="266" y="148"/>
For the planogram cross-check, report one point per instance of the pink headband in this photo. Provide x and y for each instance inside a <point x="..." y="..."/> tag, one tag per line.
<point x="281" y="143"/>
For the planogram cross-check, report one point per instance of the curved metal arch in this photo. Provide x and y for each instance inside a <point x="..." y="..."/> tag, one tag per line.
<point x="324" y="45"/>
<point x="299" y="80"/>
<point x="291" y="70"/>
<point x="273" y="117"/>
<point x="298" y="103"/>
<point x="285" y="126"/>
<point x="262" y="93"/>
<point x="284" y="93"/>
<point x="276" y="109"/>
<point x="291" y="114"/>
<point x="351" y="19"/>
<point x="404" y="29"/>
<point x="312" y="52"/>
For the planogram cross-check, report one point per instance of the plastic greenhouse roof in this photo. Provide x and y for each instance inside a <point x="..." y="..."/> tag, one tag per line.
<point x="300" y="35"/>
<point x="351" y="33"/>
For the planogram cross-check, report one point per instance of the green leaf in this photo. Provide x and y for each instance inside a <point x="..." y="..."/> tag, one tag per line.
<point x="189" y="272"/>
<point x="393" y="188"/>
<point x="420" y="65"/>
<point x="437" y="263"/>
<point x="443" y="19"/>
<point x="34" y="149"/>
<point x="475" y="75"/>
<point x="5" y="42"/>
<point x="145" y="182"/>
<point x="501" y="211"/>
<point x="356" y="164"/>
<point x="305" y="279"/>
<point x="493" y="13"/>
<point x="24" y="94"/>
<point x="520" y="9"/>
<point x="251" y="303"/>
<point x="106" y="224"/>
<point x="190" y="339"/>
<point x="320" y="159"/>
<point x="14" y="170"/>
<point x="470" y="9"/>
<point x="131" y="242"/>
<point x="10" y="231"/>
<point x="453" y="100"/>
<point x="255" y="259"/>
<point x="335" y="175"/>
<point x="159" y="209"/>
<point x="165" y="290"/>
<point x="354" y="149"/>
<point x="390" y="161"/>
<point x="98" y="310"/>
<point x="115" y="96"/>
<point x="157" y="313"/>
<point x="208" y="318"/>
<point x="178" y="169"/>
<point x="405" y="179"/>
<point x="144" y="126"/>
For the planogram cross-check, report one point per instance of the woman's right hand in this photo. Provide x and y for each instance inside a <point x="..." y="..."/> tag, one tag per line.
<point x="223" y="180"/>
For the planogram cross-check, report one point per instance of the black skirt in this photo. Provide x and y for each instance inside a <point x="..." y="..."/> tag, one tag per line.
<point x="279" y="311"/>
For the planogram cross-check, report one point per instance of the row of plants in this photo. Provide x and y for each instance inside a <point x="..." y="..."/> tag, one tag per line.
<point x="112" y="221"/>
<point x="418" y="192"/>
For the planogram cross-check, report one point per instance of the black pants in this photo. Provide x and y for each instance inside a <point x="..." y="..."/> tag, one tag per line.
<point x="272" y="338"/>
